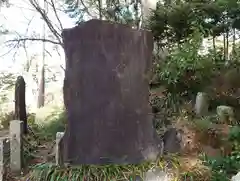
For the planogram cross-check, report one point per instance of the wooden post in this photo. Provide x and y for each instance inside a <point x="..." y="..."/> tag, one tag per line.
<point x="16" y="132"/>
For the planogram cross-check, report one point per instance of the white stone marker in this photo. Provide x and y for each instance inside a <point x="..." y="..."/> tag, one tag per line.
<point x="15" y="131"/>
<point x="58" y="150"/>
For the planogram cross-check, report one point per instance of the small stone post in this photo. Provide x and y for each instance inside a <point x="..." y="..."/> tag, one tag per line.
<point x="58" y="156"/>
<point x="16" y="132"/>
<point x="4" y="148"/>
<point x="225" y="114"/>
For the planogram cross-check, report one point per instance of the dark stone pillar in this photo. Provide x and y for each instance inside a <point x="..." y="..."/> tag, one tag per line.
<point x="20" y="104"/>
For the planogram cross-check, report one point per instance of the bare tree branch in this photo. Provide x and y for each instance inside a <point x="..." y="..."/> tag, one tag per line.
<point x="10" y="50"/>
<point x="55" y="12"/>
<point x="48" y="53"/>
<point x="47" y="21"/>
<point x="56" y="48"/>
<point x="29" y="61"/>
<point x="34" y="39"/>
<point x="85" y="7"/>
<point x="62" y="68"/>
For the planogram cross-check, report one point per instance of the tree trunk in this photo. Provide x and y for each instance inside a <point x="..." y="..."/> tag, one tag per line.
<point x="234" y="43"/>
<point x="227" y="45"/>
<point x="106" y="95"/>
<point x="41" y="91"/>
<point x="214" y="47"/>
<point x="20" y="105"/>
<point x="224" y="46"/>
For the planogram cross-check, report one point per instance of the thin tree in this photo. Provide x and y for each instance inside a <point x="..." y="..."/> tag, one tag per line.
<point x="41" y="93"/>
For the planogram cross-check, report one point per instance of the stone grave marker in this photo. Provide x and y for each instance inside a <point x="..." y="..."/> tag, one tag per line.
<point x="201" y="105"/>
<point x="106" y="94"/>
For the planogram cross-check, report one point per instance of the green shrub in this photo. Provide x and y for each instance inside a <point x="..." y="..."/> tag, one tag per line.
<point x="54" y="123"/>
<point x="5" y="119"/>
<point x="224" y="167"/>
<point x="234" y="134"/>
<point x="31" y="119"/>
<point x="185" y="71"/>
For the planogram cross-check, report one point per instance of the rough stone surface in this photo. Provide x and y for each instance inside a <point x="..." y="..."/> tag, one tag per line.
<point x="201" y="105"/>
<point x="106" y="94"/>
<point x="172" y="141"/>
<point x="16" y="131"/>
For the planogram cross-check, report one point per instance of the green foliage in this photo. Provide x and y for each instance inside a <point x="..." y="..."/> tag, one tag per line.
<point x="176" y="21"/>
<point x="234" y="134"/>
<point x="122" y="12"/>
<point x="31" y="119"/>
<point x="5" y="119"/>
<point x="30" y="145"/>
<point x="168" y="103"/>
<point x="224" y="167"/>
<point x="73" y="10"/>
<point x="185" y="71"/>
<point x="7" y="82"/>
<point x="55" y="122"/>
<point x="236" y="54"/>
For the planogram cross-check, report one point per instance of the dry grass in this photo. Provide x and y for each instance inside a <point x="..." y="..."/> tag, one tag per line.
<point x="196" y="139"/>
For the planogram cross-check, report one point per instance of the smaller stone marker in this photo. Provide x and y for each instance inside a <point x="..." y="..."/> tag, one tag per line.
<point x="201" y="105"/>
<point x="58" y="156"/>
<point x="225" y="114"/>
<point x="16" y="131"/>
<point x="4" y="148"/>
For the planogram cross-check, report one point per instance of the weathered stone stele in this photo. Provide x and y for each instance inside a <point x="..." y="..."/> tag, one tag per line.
<point x="106" y="94"/>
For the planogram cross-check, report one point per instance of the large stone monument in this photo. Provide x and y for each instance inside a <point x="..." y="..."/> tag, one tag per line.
<point x="106" y="94"/>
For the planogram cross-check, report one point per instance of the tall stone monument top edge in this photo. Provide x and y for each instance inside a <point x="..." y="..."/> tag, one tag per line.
<point x="69" y="32"/>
